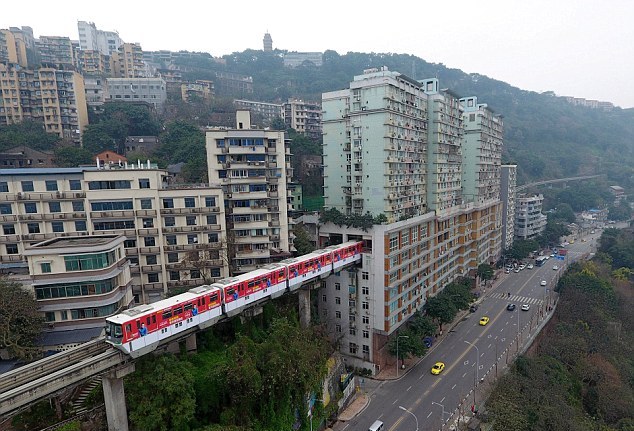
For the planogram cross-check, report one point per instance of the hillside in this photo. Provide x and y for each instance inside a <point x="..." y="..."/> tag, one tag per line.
<point x="544" y="134"/>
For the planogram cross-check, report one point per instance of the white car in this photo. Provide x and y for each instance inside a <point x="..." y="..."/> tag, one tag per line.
<point x="526" y="307"/>
<point x="543" y="283"/>
<point x="555" y="267"/>
<point x="529" y="266"/>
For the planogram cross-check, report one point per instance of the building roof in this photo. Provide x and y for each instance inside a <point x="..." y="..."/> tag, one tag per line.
<point x="47" y="171"/>
<point x="80" y="241"/>
<point x="68" y="337"/>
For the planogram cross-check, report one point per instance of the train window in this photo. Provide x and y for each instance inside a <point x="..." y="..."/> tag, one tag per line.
<point x="153" y="319"/>
<point x="167" y="314"/>
<point x="231" y="291"/>
<point x="128" y="328"/>
<point x="147" y="320"/>
<point x="202" y="300"/>
<point x="251" y="284"/>
<point x="189" y="306"/>
<point x="138" y="324"/>
<point x="213" y="297"/>
<point x="178" y="310"/>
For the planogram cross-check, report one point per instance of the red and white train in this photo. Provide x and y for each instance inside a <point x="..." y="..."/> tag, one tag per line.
<point x="141" y="329"/>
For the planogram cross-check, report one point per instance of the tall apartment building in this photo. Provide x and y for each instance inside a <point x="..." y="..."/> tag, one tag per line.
<point x="17" y="45"/>
<point x="508" y="182"/>
<point x="54" y="96"/>
<point x="303" y="117"/>
<point x="397" y="146"/>
<point x="529" y="220"/>
<point x="174" y="232"/>
<point x="253" y="167"/>
<point x="91" y="38"/>
<point x="78" y="282"/>
<point x="137" y="90"/>
<point x="56" y="51"/>
<point x="267" y="111"/>
<point x="128" y="62"/>
<point x="93" y="62"/>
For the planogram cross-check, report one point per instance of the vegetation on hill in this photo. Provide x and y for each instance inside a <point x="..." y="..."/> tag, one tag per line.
<point x="579" y="374"/>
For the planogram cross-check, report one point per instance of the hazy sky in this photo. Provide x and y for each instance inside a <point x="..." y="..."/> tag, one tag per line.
<point x="581" y="48"/>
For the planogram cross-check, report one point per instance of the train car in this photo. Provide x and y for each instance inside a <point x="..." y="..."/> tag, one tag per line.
<point x="141" y="329"/>
<point x="307" y="267"/>
<point x="241" y="291"/>
<point x="345" y="253"/>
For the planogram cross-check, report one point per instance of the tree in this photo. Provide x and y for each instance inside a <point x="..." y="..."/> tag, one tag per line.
<point x="409" y="344"/>
<point x="70" y="157"/>
<point x="20" y="322"/>
<point x="485" y="271"/>
<point x="28" y="133"/>
<point x="204" y="262"/>
<point x="441" y="308"/>
<point x="422" y="325"/>
<point x="302" y="241"/>
<point x="160" y="394"/>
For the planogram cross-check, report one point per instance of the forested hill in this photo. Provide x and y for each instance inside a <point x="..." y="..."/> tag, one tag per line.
<point x="544" y="134"/>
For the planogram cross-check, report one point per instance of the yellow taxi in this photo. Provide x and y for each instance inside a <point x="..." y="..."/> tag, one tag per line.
<point x="437" y="368"/>
<point x="484" y="320"/>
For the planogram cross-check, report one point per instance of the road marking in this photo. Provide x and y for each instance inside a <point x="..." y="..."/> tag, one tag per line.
<point x="464" y="375"/>
<point x="443" y="399"/>
<point x="430" y="413"/>
<point x="408" y="389"/>
<point x="454" y="387"/>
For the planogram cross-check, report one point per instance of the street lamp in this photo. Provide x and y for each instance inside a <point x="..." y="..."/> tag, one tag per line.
<point x="477" y="359"/>
<point x="415" y="418"/>
<point x="397" y="338"/>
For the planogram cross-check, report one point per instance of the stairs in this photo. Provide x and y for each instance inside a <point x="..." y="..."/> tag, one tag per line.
<point x="78" y="403"/>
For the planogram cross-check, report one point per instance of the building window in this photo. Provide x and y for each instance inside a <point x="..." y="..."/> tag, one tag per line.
<point x="211" y="219"/>
<point x="338" y="328"/>
<point x="168" y="203"/>
<point x="5" y="209"/>
<point x="170" y="239"/>
<point x="58" y="226"/>
<point x="55" y="207"/>
<point x="129" y="243"/>
<point x="338" y="314"/>
<point x="27" y="186"/>
<point x="190" y="202"/>
<point x="33" y="227"/>
<point x="148" y="223"/>
<point x="64" y="315"/>
<point x="365" y="276"/>
<point x="192" y="239"/>
<point x="366" y="349"/>
<point x="8" y="229"/>
<point x="194" y="273"/>
<point x="45" y="267"/>
<point x="144" y="183"/>
<point x="393" y="242"/>
<point x="190" y="220"/>
<point x="365" y="305"/>
<point x="366" y="334"/>
<point x="12" y="248"/>
<point x="353" y="332"/>
<point x="210" y="201"/>
<point x="149" y="241"/>
<point x="353" y="348"/>
<point x="80" y="225"/>
<point x="153" y="277"/>
<point x="51" y="185"/>
<point x="172" y="257"/>
<point x="78" y="205"/>
<point x="169" y="221"/>
<point x="4" y="187"/>
<point x="366" y="320"/>
<point x="337" y="286"/>
<point x="30" y="207"/>
<point x="150" y="259"/>
<point x="175" y="275"/>
<point x="49" y="316"/>
<point x="146" y="204"/>
<point x="337" y="300"/>
<point x="75" y="184"/>
<point x="212" y="238"/>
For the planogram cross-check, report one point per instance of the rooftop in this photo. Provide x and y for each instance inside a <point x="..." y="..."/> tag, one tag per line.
<point x="76" y="241"/>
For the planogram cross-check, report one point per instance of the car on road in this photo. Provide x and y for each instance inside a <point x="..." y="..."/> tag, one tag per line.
<point x="529" y="266"/>
<point x="437" y="368"/>
<point x="591" y="231"/>
<point x="543" y="283"/>
<point x="510" y="307"/>
<point x="473" y="308"/>
<point x="526" y="307"/>
<point x="484" y="320"/>
<point x="555" y="267"/>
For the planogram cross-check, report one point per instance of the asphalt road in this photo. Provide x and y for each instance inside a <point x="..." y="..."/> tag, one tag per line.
<point x="473" y="354"/>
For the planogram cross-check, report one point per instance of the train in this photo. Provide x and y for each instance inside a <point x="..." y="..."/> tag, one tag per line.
<point x="141" y="329"/>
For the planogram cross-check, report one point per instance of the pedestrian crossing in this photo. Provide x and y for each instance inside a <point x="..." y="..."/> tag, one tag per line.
<point x="517" y="298"/>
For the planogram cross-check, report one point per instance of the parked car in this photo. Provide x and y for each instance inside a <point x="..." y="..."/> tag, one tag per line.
<point x="555" y="267"/>
<point x="473" y="308"/>
<point x="428" y="341"/>
<point x="529" y="266"/>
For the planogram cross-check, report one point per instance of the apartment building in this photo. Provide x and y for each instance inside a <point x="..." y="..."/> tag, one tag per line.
<point x="127" y="62"/>
<point x="174" y="232"/>
<point x="529" y="220"/>
<point x="91" y="38"/>
<point x="17" y="46"/>
<point x="508" y="185"/>
<point x="137" y="90"/>
<point x="78" y="282"/>
<point x="253" y="166"/>
<point x="267" y="111"/>
<point x="303" y="117"/>
<point x="56" y="51"/>
<point x="53" y="96"/>
<point x="411" y="151"/>
<point x="94" y="63"/>
<point x="201" y="90"/>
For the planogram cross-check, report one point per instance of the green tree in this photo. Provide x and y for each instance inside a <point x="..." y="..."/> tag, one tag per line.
<point x="20" y="321"/>
<point x="422" y="325"/>
<point x="302" y="241"/>
<point x="441" y="308"/>
<point x="160" y="394"/>
<point x="409" y="344"/>
<point x="70" y="157"/>
<point x="28" y="133"/>
<point x="485" y="271"/>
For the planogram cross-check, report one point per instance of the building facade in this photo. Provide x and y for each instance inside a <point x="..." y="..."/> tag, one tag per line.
<point x="303" y="117"/>
<point x="56" y="51"/>
<point x="79" y="281"/>
<point x="174" y="232"/>
<point x="267" y="111"/>
<point x="430" y="162"/>
<point x="128" y="62"/>
<point x="267" y="42"/>
<point x="508" y="185"/>
<point x="253" y="168"/>
<point x="529" y="220"/>
<point x="91" y="38"/>
<point x="137" y="90"/>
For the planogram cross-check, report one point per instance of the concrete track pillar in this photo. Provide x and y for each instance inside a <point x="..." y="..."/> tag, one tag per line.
<point x="190" y="343"/>
<point x="304" y="307"/>
<point x="114" y="397"/>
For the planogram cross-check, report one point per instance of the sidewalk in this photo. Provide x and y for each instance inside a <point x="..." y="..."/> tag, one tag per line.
<point x="361" y="399"/>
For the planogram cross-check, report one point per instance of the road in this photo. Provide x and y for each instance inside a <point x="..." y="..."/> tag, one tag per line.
<point x="473" y="354"/>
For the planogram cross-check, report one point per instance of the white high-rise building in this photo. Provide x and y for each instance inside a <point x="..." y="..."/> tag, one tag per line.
<point x="91" y="38"/>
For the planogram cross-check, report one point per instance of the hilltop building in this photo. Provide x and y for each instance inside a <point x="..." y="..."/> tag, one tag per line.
<point x="93" y="39"/>
<point x="267" y="42"/>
